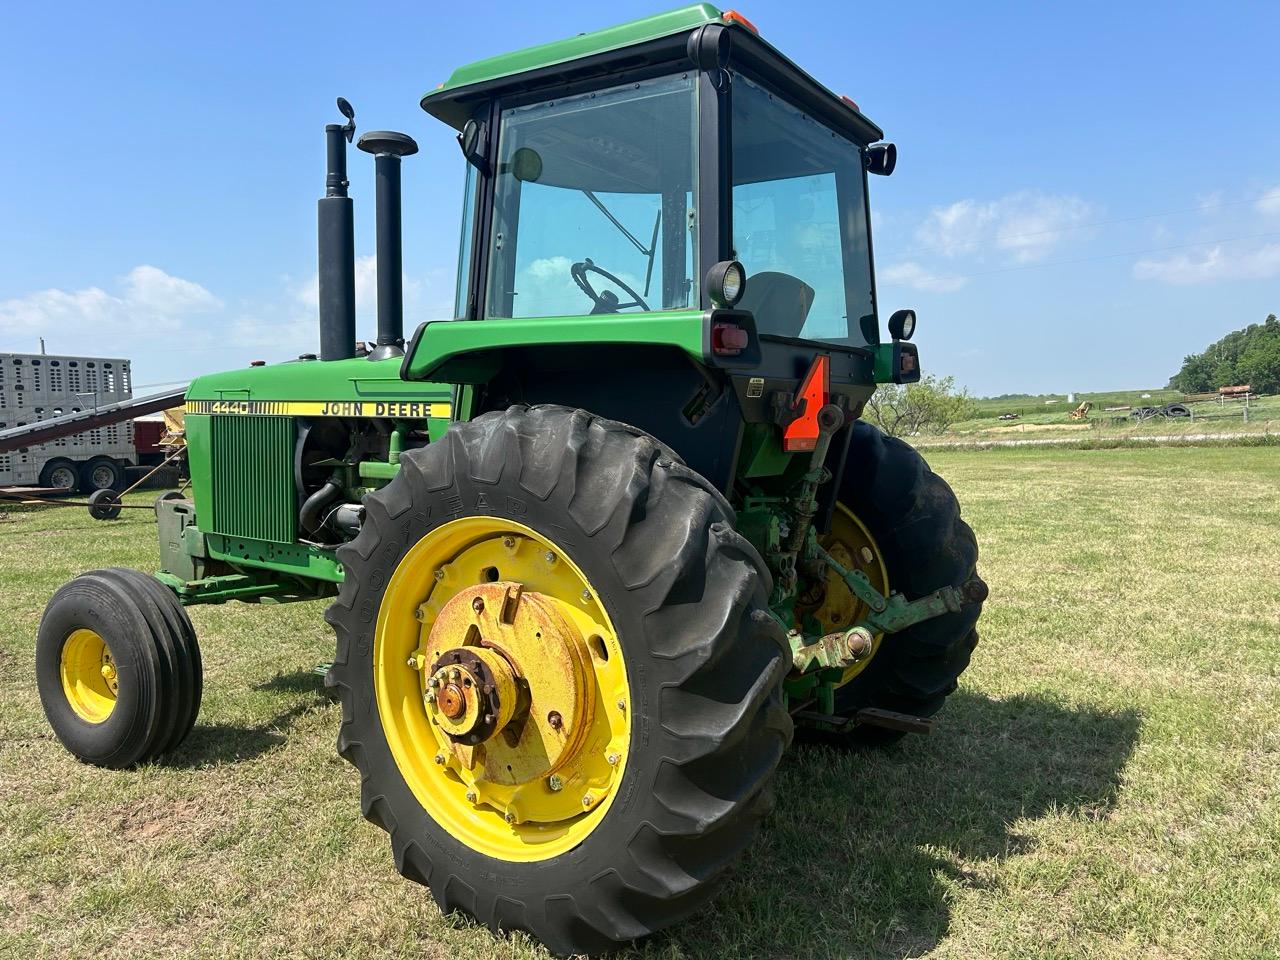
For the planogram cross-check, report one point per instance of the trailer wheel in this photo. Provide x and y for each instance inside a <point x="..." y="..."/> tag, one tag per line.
<point x="60" y="473"/>
<point x="558" y="679"/>
<point x="104" y="505"/>
<point x="914" y="520"/>
<point x="101" y="473"/>
<point x="118" y="668"/>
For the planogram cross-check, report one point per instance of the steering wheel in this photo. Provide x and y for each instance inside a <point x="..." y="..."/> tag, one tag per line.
<point x="606" y="301"/>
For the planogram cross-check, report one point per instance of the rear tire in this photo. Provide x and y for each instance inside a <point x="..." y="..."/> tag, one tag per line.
<point x="704" y="663"/>
<point x="915" y="519"/>
<point x="118" y="668"/>
<point x="102" y="473"/>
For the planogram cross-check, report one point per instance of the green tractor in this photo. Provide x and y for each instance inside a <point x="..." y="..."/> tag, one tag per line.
<point x="599" y="543"/>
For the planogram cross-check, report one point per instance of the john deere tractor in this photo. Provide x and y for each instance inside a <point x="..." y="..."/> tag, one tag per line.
<point x="597" y="544"/>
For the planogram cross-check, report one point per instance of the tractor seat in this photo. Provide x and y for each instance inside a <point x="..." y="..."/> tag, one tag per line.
<point x="779" y="302"/>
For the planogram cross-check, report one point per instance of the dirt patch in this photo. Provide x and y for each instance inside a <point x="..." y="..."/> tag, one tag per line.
<point x="138" y="824"/>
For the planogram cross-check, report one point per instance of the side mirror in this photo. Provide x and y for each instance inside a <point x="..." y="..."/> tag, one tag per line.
<point x="881" y="158"/>
<point x="474" y="141"/>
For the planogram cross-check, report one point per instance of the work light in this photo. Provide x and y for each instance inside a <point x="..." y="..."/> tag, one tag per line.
<point x="726" y="283"/>
<point x="902" y="324"/>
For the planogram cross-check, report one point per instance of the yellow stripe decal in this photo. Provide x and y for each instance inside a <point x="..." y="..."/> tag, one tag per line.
<point x="388" y="409"/>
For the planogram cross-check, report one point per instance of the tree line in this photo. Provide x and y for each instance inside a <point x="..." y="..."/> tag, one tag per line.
<point x="1251" y="356"/>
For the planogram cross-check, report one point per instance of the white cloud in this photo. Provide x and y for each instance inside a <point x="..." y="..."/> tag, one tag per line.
<point x="911" y="274"/>
<point x="148" y="300"/>
<point x="1027" y="225"/>
<point x="1269" y="202"/>
<point x="1212" y="266"/>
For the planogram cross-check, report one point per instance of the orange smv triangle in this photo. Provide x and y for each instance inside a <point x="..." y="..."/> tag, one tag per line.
<point x="801" y="433"/>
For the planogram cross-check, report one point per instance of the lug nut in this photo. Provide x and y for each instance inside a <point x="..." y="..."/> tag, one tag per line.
<point x="586" y="596"/>
<point x="555" y="720"/>
<point x="588" y="800"/>
<point x="430" y="697"/>
<point x="867" y="555"/>
<point x="439" y="575"/>
<point x="440" y="758"/>
<point x="555" y="783"/>
<point x="508" y="542"/>
<point x="478" y="604"/>
<point x="471" y="796"/>
<point x="549" y="557"/>
<point x="509" y="817"/>
<point x="613" y="759"/>
<point x="433" y="682"/>
<point x="622" y="705"/>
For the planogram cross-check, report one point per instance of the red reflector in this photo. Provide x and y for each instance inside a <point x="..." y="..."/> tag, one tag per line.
<point x="851" y="103"/>
<point x="733" y="16"/>
<point x="728" y="340"/>
<point x="801" y="433"/>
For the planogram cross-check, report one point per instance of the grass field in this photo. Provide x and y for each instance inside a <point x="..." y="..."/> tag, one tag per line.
<point x="1104" y="784"/>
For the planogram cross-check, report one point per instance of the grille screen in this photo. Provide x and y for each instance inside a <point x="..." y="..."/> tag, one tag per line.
<point x="253" y="491"/>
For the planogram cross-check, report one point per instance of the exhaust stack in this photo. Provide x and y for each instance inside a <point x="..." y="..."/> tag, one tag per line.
<point x="337" y="245"/>
<point x="387" y="148"/>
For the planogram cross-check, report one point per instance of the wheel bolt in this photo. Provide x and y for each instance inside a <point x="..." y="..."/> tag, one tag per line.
<point x="508" y="542"/>
<point x="439" y="575"/>
<point x="108" y="671"/>
<point x="430" y="697"/>
<point x="510" y="817"/>
<point x="555" y="720"/>
<point x="478" y="604"/>
<point x="588" y="800"/>
<point x="440" y="758"/>
<point x="471" y="796"/>
<point x="622" y="705"/>
<point x="613" y="759"/>
<point x="555" y="783"/>
<point x="586" y="596"/>
<point x="549" y="557"/>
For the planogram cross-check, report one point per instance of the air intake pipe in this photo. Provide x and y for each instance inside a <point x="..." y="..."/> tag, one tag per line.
<point x="387" y="148"/>
<point x="337" y="245"/>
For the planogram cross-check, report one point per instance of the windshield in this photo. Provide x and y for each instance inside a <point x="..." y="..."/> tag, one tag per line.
<point x="800" y="222"/>
<point x="594" y="204"/>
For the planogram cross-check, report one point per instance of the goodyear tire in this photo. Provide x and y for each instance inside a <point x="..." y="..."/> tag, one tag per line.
<point x="118" y="668"/>
<point x="704" y="668"/>
<point x="915" y="519"/>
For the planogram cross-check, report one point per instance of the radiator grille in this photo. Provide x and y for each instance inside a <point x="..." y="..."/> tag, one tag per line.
<point x="253" y="491"/>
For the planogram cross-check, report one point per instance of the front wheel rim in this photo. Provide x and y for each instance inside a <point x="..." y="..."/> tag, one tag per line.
<point x="502" y="689"/>
<point x="88" y="674"/>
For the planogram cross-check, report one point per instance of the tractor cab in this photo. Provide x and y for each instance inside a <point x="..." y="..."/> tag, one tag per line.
<point x="673" y="178"/>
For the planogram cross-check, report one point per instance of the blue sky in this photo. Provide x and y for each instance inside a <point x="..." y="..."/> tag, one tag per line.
<point x="1085" y="192"/>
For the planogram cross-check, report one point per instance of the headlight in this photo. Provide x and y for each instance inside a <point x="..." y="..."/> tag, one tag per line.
<point x="902" y="324"/>
<point x="726" y="283"/>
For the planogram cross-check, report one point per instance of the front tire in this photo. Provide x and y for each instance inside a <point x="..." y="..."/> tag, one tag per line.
<point x="683" y="596"/>
<point x="118" y="668"/>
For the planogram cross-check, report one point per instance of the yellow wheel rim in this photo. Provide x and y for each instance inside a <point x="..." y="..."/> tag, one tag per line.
<point x="854" y="548"/>
<point x="89" y="679"/>
<point x="501" y="688"/>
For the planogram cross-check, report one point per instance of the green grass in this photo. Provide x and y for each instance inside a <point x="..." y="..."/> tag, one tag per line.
<point x="1104" y="783"/>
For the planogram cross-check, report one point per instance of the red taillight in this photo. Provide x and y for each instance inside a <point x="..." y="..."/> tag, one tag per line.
<point x="733" y="16"/>
<point x="851" y="102"/>
<point x="728" y="339"/>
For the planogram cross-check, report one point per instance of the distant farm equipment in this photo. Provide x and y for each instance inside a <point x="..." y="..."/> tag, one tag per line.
<point x="1082" y="411"/>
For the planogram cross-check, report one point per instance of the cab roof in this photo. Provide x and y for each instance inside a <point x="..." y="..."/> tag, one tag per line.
<point x="647" y="40"/>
